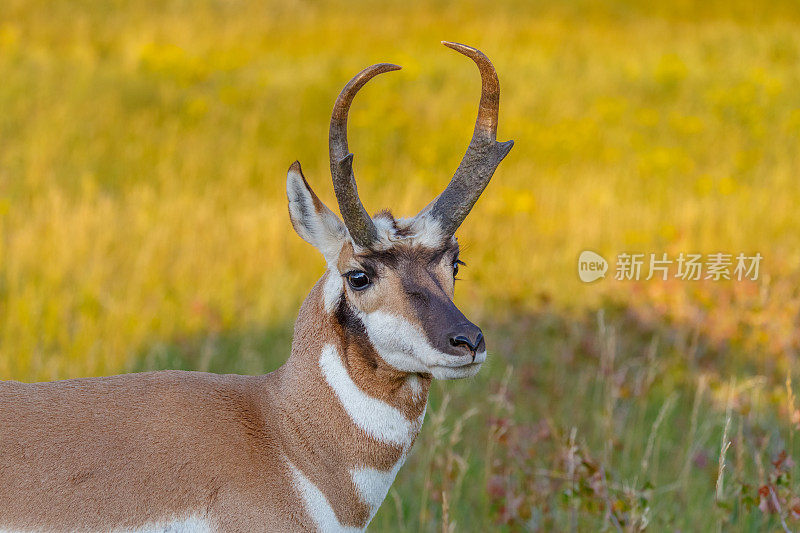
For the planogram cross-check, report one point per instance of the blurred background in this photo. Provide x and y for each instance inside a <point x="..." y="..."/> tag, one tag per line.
<point x="143" y="225"/>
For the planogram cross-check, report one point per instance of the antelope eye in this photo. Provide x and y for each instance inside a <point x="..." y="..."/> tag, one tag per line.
<point x="455" y="267"/>
<point x="358" y="280"/>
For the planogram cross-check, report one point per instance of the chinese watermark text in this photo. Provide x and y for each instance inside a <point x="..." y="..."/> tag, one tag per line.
<point x="717" y="266"/>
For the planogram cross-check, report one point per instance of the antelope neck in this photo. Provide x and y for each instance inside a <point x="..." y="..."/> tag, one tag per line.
<point x="349" y="419"/>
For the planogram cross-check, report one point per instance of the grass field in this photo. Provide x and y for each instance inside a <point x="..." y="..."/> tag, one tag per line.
<point x="143" y="225"/>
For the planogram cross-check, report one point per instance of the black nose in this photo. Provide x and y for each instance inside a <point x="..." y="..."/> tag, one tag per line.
<point x="468" y="336"/>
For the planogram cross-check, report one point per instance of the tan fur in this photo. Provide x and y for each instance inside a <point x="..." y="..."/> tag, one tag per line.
<point x="139" y="450"/>
<point x="292" y="450"/>
<point x="102" y="453"/>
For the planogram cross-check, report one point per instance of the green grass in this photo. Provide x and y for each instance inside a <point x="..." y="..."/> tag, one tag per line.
<point x="143" y="225"/>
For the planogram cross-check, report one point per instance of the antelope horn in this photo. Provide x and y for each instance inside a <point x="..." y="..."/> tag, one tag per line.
<point x="483" y="154"/>
<point x="358" y="222"/>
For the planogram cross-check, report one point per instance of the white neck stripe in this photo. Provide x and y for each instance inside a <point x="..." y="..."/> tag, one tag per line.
<point x="373" y="484"/>
<point x="317" y="505"/>
<point x="376" y="418"/>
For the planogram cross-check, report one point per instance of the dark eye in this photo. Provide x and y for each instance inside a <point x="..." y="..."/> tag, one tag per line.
<point x="358" y="280"/>
<point x="455" y="266"/>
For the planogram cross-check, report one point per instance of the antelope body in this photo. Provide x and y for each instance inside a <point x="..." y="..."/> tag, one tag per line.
<point x="314" y="445"/>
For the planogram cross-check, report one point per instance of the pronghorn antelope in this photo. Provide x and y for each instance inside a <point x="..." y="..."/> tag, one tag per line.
<point x="314" y="445"/>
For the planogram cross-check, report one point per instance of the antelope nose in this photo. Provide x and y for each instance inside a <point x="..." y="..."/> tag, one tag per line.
<point x="469" y="337"/>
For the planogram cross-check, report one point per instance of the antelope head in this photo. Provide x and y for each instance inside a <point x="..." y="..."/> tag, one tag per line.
<point x="390" y="280"/>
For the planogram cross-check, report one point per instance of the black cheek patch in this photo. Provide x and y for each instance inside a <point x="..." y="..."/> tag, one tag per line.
<point x="355" y="333"/>
<point x="348" y="320"/>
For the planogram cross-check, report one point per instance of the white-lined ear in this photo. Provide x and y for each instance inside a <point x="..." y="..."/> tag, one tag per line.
<point x="311" y="219"/>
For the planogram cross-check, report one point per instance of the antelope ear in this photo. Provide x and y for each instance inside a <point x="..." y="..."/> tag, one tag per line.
<point x="312" y="220"/>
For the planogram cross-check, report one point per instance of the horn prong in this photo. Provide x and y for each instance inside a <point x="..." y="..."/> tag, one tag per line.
<point x="482" y="156"/>
<point x="358" y="222"/>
